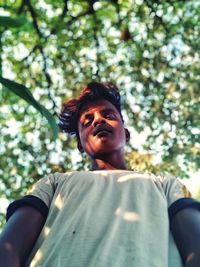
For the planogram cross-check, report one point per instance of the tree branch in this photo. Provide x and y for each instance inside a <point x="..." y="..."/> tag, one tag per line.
<point x="21" y="7"/>
<point x="48" y="78"/>
<point x="34" y="17"/>
<point x="1" y="51"/>
<point x="31" y="52"/>
<point x="95" y="31"/>
<point x="39" y="46"/>
<point x="65" y="9"/>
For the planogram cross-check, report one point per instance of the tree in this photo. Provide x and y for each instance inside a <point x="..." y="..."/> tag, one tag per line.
<point x="149" y="49"/>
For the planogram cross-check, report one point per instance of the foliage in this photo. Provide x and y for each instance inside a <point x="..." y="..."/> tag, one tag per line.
<point x="25" y="94"/>
<point x="149" y="49"/>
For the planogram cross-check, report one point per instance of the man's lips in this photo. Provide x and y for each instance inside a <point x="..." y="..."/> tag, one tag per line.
<point x="102" y="133"/>
<point x="101" y="129"/>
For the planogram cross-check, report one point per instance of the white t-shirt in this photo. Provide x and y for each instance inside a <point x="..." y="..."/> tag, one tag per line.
<point x="115" y="218"/>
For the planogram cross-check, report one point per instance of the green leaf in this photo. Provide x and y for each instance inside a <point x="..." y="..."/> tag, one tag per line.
<point x="6" y="21"/>
<point x="24" y="93"/>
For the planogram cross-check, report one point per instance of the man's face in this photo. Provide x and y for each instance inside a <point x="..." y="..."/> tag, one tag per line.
<point x="101" y="129"/>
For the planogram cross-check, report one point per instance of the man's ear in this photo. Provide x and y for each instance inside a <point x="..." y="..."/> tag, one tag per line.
<point x="79" y="146"/>
<point x="127" y="133"/>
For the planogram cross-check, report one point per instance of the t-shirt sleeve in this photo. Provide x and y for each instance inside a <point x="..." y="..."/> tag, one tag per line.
<point x="38" y="197"/>
<point x="178" y="196"/>
<point x="174" y="189"/>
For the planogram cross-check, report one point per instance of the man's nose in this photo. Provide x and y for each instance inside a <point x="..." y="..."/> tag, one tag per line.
<point x="98" y="119"/>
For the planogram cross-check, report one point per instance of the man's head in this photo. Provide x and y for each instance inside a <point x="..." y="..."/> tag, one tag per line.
<point x="96" y="120"/>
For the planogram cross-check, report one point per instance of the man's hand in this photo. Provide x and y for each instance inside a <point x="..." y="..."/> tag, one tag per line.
<point x="186" y="231"/>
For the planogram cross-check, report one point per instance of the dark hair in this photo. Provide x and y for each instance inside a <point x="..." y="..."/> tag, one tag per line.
<point x="68" y="119"/>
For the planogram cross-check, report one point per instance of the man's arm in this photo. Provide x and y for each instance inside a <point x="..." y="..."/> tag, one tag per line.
<point x="185" y="228"/>
<point x="19" y="236"/>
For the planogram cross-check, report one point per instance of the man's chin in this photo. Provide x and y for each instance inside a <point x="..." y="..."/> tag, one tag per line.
<point x="102" y="152"/>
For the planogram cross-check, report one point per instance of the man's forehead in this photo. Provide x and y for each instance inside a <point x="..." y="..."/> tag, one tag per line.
<point x="100" y="104"/>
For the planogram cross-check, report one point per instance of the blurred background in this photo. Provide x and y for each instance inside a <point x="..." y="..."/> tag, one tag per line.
<point x="50" y="49"/>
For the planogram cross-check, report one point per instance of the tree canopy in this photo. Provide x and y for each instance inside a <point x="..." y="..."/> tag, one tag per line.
<point x="149" y="49"/>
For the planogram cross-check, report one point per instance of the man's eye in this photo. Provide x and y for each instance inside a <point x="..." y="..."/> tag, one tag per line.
<point x="86" y="123"/>
<point x="110" y="116"/>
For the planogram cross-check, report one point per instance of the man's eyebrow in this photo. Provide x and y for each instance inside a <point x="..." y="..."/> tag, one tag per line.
<point x="109" y="110"/>
<point x="87" y="113"/>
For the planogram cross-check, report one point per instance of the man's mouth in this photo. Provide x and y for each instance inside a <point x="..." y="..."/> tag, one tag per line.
<point x="102" y="131"/>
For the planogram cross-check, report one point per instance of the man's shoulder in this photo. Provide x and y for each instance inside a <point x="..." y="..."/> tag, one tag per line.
<point x="161" y="177"/>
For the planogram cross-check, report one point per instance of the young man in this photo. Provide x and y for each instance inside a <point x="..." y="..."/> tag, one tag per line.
<point x="108" y="216"/>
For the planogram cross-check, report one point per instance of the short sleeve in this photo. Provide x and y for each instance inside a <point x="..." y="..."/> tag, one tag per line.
<point x="38" y="197"/>
<point x="174" y="189"/>
<point x="44" y="189"/>
<point x="178" y="196"/>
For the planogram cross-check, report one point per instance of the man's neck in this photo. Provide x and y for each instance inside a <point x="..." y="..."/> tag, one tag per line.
<point x="108" y="164"/>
